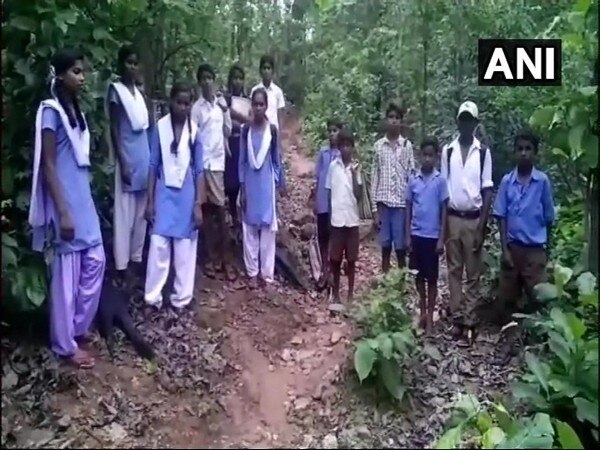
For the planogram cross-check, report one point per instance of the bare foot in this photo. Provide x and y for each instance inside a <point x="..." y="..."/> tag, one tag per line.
<point x="230" y="273"/>
<point x="81" y="360"/>
<point x="209" y="270"/>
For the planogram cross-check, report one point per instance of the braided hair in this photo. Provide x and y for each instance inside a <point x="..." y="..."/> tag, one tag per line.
<point x="61" y="62"/>
<point x="177" y="88"/>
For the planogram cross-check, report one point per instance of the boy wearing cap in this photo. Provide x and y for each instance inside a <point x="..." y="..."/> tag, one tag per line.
<point x="467" y="167"/>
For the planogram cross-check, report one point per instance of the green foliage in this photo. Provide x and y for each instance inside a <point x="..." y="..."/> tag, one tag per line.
<point x="489" y="426"/>
<point x="387" y="335"/>
<point x="173" y="37"/>
<point x="568" y="236"/>
<point x="562" y="378"/>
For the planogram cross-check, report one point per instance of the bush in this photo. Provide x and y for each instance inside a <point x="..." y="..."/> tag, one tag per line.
<point x="388" y="338"/>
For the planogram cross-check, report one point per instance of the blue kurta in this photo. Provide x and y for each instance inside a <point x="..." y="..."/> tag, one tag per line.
<point x="174" y="208"/>
<point x="76" y="190"/>
<point x="326" y="156"/>
<point x="258" y="184"/>
<point x="135" y="146"/>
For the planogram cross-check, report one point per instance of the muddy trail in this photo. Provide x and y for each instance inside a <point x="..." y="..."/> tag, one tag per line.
<point x="239" y="368"/>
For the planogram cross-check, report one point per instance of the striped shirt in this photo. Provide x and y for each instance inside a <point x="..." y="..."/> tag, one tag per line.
<point x="392" y="165"/>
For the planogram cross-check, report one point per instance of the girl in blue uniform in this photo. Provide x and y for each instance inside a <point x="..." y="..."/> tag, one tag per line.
<point x="129" y="121"/>
<point x="174" y="209"/>
<point x="62" y="211"/>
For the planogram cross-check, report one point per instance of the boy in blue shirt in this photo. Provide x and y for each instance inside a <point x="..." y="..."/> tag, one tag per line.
<point x="320" y="196"/>
<point x="426" y="203"/>
<point x="525" y="209"/>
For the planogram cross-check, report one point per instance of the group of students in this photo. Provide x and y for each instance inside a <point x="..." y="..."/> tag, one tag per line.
<point x="424" y="211"/>
<point x="180" y="173"/>
<point x="177" y="174"/>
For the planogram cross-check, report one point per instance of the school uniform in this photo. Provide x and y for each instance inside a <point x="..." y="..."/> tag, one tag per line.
<point x="392" y="165"/>
<point x="173" y="228"/>
<point x="326" y="156"/>
<point x="129" y="224"/>
<point x="345" y="219"/>
<point x="427" y="194"/>
<point x="78" y="265"/>
<point x="275" y="101"/>
<point x="232" y="179"/>
<point x="528" y="211"/>
<point x="214" y="126"/>
<point x="260" y="175"/>
<point x="466" y="181"/>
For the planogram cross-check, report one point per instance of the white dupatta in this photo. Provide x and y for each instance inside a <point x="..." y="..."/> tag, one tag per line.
<point x="134" y="106"/>
<point x="80" y="142"/>
<point x="175" y="165"/>
<point x="256" y="161"/>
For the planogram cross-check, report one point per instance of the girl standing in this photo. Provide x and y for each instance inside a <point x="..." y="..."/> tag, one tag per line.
<point x="129" y="121"/>
<point x="174" y="209"/>
<point x="260" y="174"/>
<point x="235" y="88"/>
<point x="62" y="211"/>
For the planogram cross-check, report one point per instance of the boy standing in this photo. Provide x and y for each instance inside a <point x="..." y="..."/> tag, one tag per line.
<point x="320" y="195"/>
<point x="525" y="208"/>
<point x="275" y="99"/>
<point x="393" y="162"/>
<point x="426" y="200"/>
<point x="211" y="114"/>
<point x="344" y="184"/>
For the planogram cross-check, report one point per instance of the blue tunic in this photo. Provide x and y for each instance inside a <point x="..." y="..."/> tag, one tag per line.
<point x="76" y="190"/>
<point x="528" y="210"/>
<point x="427" y="193"/>
<point x="135" y="147"/>
<point x="174" y="208"/>
<point x="258" y="184"/>
<point x="326" y="156"/>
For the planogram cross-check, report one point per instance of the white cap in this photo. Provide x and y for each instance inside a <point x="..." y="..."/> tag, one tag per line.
<point x="468" y="107"/>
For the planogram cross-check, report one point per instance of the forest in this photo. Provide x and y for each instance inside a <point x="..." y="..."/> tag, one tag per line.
<point x="345" y="58"/>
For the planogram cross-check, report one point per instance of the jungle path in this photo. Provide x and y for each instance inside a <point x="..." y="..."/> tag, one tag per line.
<point x="264" y="369"/>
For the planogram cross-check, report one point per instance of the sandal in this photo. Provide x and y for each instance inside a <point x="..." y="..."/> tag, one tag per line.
<point x="81" y="360"/>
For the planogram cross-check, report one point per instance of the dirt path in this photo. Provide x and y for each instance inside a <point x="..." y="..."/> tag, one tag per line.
<point x="240" y="369"/>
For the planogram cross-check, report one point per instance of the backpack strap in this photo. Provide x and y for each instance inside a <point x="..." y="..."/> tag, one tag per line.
<point x="482" y="154"/>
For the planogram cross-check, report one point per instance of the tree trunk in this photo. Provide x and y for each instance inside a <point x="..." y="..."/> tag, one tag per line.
<point x="425" y="42"/>
<point x="592" y="200"/>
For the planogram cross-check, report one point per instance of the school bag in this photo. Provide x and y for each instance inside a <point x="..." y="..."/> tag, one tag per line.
<point x="482" y="152"/>
<point x="365" y="211"/>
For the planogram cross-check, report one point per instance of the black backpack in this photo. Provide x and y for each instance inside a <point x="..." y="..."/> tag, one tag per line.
<point x="482" y="152"/>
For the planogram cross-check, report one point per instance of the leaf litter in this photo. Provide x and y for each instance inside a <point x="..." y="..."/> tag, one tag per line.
<point x="245" y="357"/>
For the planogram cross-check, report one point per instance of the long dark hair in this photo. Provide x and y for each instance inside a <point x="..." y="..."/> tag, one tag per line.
<point x="177" y="88"/>
<point x="62" y="61"/>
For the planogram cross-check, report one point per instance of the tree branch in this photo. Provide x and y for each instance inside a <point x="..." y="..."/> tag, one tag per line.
<point x="173" y="51"/>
